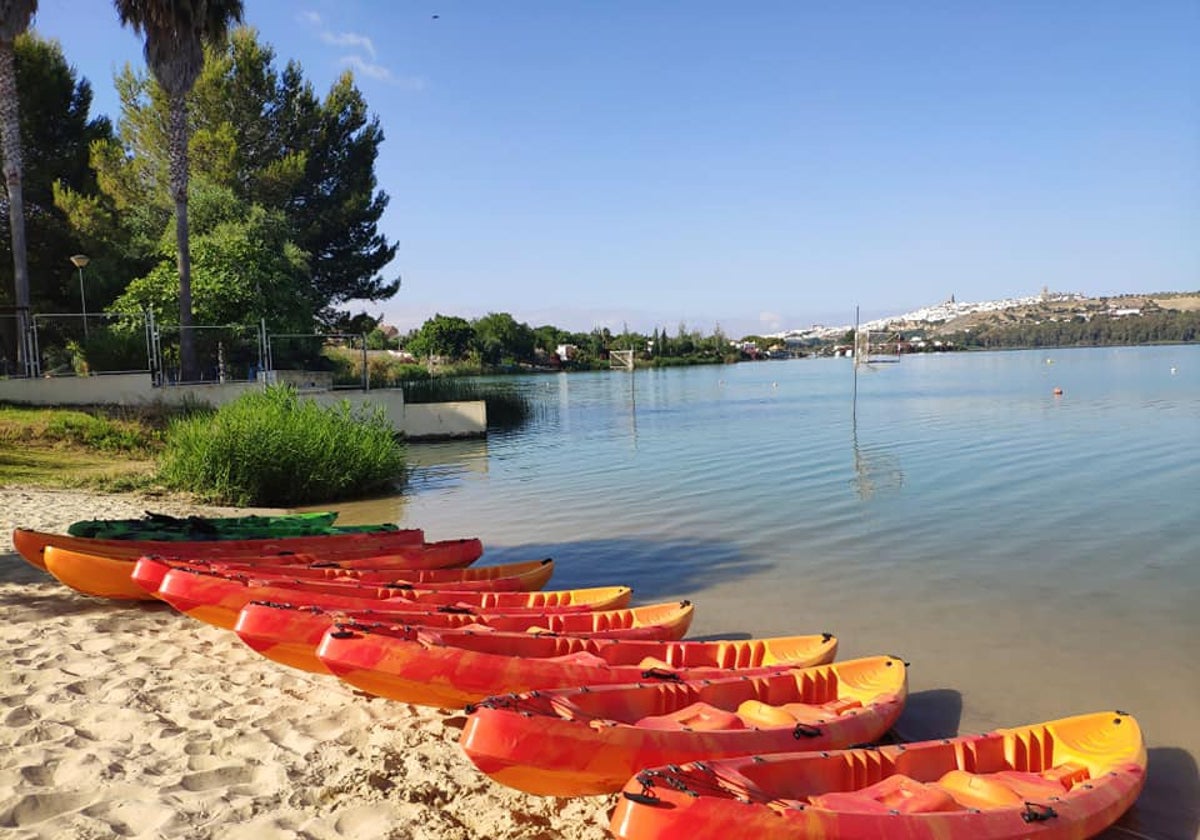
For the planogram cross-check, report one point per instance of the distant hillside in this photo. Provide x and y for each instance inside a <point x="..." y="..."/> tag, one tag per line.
<point x="1050" y="319"/>
<point x="1070" y="309"/>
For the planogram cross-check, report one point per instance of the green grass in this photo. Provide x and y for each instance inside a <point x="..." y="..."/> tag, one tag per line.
<point x="273" y="448"/>
<point x="102" y="431"/>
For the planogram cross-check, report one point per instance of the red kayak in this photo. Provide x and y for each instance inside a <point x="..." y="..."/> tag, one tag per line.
<point x="528" y="575"/>
<point x="217" y="600"/>
<point x="291" y="634"/>
<point x="451" y="668"/>
<point x="31" y="545"/>
<point x="1061" y="780"/>
<point x="590" y="740"/>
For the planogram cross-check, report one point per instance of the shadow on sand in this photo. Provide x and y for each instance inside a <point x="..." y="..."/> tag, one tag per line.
<point x="39" y="594"/>
<point x="657" y="571"/>
<point x="1169" y="807"/>
<point x="928" y="715"/>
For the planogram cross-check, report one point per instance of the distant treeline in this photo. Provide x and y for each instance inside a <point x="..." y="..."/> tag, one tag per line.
<point x="1163" y="327"/>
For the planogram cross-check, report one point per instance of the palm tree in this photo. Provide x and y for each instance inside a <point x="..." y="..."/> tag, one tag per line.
<point x="176" y="32"/>
<point x="15" y="16"/>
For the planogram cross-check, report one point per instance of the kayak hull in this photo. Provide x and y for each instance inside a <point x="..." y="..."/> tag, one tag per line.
<point x="290" y="635"/>
<point x="117" y="577"/>
<point x="31" y="545"/>
<point x="218" y="600"/>
<point x="587" y="742"/>
<point x="451" y="669"/>
<point x="1062" y="780"/>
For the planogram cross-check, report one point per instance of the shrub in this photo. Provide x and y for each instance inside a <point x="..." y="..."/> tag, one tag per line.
<point x="384" y="370"/>
<point x="271" y="448"/>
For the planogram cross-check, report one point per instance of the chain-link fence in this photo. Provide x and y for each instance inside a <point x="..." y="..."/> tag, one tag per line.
<point x="224" y="353"/>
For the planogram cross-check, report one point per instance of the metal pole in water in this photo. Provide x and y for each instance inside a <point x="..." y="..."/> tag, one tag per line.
<point x="854" y="352"/>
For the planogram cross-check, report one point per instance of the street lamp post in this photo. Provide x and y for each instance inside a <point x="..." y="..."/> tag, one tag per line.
<point x="79" y="261"/>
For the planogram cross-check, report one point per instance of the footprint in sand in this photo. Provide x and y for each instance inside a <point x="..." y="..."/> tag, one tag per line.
<point x="38" y="775"/>
<point x="21" y="716"/>
<point x="364" y="821"/>
<point x="86" y="688"/>
<point x="39" y="807"/>
<point x="46" y="730"/>
<point x="221" y="777"/>
<point x="131" y="818"/>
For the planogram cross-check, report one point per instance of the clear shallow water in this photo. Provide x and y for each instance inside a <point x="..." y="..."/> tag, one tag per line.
<point x="1032" y="555"/>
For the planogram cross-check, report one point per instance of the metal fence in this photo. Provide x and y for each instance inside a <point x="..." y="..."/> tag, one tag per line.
<point x="72" y="344"/>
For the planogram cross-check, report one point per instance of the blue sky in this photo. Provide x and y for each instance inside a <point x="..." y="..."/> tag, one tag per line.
<point x="759" y="165"/>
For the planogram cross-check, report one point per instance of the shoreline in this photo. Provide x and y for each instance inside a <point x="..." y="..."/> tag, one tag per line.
<point x="132" y="720"/>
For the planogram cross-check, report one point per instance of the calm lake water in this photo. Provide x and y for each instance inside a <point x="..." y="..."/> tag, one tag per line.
<point x="1032" y="555"/>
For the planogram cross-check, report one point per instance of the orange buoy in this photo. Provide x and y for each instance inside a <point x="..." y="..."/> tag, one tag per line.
<point x="1058" y="392"/>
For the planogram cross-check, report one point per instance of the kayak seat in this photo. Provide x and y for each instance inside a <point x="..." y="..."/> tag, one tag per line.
<point x="475" y="627"/>
<point x="758" y="713"/>
<point x="583" y="657"/>
<point x="841" y="705"/>
<point x="1005" y="789"/>
<point x="698" y="717"/>
<point x="898" y="792"/>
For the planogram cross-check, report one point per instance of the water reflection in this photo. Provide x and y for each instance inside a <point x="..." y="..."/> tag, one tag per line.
<point x="633" y="409"/>
<point x="431" y="466"/>
<point x="875" y="469"/>
<point x="467" y="453"/>
<point x="657" y="569"/>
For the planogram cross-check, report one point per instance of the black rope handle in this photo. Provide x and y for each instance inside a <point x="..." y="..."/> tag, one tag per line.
<point x="1036" y="812"/>
<point x="805" y="731"/>
<point x="660" y="674"/>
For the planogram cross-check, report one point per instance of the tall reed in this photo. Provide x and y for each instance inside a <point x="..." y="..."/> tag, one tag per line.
<point x="507" y="407"/>
<point x="272" y="448"/>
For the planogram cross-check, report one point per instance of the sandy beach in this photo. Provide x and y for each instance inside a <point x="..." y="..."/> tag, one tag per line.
<point x="135" y="721"/>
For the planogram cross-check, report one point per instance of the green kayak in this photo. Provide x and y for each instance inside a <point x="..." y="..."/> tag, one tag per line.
<point x="160" y="526"/>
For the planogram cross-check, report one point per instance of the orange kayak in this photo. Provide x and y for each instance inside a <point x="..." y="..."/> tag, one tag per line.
<point x="589" y="741"/>
<point x="113" y="577"/>
<point x="290" y="634"/>
<point x="452" y="668"/>
<point x="1063" y="780"/>
<point x="31" y="545"/>
<point x="217" y="600"/>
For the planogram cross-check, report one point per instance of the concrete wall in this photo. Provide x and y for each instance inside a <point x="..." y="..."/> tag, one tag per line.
<point x="432" y="420"/>
<point x="445" y="420"/>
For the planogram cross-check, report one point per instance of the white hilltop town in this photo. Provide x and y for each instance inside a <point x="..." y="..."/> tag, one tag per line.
<point x="928" y="315"/>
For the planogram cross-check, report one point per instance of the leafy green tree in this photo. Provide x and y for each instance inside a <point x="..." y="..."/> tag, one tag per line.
<point x="684" y="343"/>
<point x="312" y="159"/>
<point x="337" y="208"/>
<point x="15" y="16"/>
<point x="443" y="335"/>
<point x="263" y="133"/>
<point x="55" y="135"/>
<point x="175" y="32"/>
<point x="499" y="338"/>
<point x="377" y="339"/>
<point x="548" y="337"/>
<point x="244" y="268"/>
